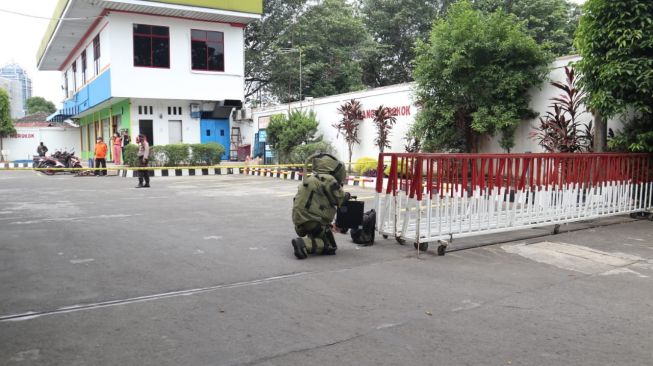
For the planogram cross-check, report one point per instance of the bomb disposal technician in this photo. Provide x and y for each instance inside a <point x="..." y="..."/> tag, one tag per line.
<point x="315" y="205"/>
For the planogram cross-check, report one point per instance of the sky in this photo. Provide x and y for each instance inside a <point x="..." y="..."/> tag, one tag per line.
<point x="20" y="37"/>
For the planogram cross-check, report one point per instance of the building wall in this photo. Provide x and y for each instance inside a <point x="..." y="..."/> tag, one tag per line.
<point x="94" y="124"/>
<point x="91" y="72"/>
<point x="396" y="96"/>
<point x="540" y="103"/>
<point x="22" y="146"/>
<point x="15" y="92"/>
<point x="179" y="81"/>
<point x="160" y="119"/>
<point x="17" y="73"/>
<point x="402" y="96"/>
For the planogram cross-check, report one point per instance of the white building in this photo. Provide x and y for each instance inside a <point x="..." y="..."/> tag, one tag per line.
<point x="400" y="99"/>
<point x="13" y="88"/>
<point x="171" y="70"/>
<point x="32" y="130"/>
<point x="397" y="97"/>
<point x="23" y="90"/>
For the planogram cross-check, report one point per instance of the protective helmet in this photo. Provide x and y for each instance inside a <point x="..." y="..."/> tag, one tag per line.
<point x="327" y="164"/>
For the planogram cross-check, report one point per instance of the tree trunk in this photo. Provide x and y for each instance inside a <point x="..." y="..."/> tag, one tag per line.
<point x="2" y="157"/>
<point x="349" y="167"/>
<point x="600" y="133"/>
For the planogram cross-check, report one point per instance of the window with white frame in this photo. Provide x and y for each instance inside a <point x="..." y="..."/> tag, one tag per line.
<point x="65" y="84"/>
<point x="74" y="74"/>
<point x="83" y="66"/>
<point x="96" y="54"/>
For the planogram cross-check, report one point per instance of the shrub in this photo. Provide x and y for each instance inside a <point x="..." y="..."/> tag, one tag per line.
<point x="206" y="154"/>
<point x="301" y="153"/>
<point x="400" y="170"/>
<point x="130" y="155"/>
<point x="364" y="165"/>
<point x="285" y="133"/>
<point x="175" y="154"/>
<point x="178" y="154"/>
<point x="158" y="155"/>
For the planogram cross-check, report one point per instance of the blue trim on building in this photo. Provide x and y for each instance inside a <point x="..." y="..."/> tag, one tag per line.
<point x="94" y="93"/>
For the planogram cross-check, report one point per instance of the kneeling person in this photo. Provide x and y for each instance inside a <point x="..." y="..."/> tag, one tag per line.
<point x="314" y="206"/>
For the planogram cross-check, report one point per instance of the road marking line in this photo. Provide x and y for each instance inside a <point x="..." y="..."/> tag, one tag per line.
<point x="98" y="305"/>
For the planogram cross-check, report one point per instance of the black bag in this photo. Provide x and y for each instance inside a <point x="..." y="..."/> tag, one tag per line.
<point x="364" y="234"/>
<point x="350" y="215"/>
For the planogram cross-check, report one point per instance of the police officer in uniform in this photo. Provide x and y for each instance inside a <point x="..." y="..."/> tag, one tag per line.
<point x="314" y="207"/>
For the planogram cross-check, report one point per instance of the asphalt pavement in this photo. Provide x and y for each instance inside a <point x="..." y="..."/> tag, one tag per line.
<point x="200" y="271"/>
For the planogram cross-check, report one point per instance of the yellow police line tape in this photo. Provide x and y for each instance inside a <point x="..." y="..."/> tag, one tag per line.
<point x="250" y="167"/>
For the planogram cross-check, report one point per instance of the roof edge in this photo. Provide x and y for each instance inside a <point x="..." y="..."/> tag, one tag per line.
<point x="49" y="31"/>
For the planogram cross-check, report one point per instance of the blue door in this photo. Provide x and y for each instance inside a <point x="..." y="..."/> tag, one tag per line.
<point x="216" y="130"/>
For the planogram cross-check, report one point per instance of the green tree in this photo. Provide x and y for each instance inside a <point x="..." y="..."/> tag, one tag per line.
<point x="39" y="104"/>
<point x="262" y="42"/>
<point x="6" y="125"/>
<point x="473" y="78"/>
<point x="333" y="43"/>
<point x="395" y="25"/>
<point x="615" y="40"/>
<point x="286" y="133"/>
<point x="552" y="23"/>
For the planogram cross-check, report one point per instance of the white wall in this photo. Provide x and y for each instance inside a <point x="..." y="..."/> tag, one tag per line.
<point x="23" y="145"/>
<point x="326" y="110"/>
<point x="401" y="95"/>
<point x="160" y="118"/>
<point x="179" y="81"/>
<point x="247" y="131"/>
<point x="87" y="44"/>
<point x="540" y="103"/>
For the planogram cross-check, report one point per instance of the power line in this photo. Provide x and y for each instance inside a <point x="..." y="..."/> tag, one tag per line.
<point x="46" y="18"/>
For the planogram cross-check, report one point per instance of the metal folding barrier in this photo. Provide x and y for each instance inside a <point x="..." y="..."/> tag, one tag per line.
<point x="431" y="198"/>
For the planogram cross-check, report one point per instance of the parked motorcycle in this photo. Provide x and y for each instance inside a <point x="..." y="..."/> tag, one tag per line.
<point x="58" y="161"/>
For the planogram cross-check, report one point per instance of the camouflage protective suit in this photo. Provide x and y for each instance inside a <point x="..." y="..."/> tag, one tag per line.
<point x="315" y="204"/>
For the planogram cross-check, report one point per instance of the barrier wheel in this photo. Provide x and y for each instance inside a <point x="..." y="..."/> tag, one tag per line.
<point x="385" y="236"/>
<point x="442" y="249"/>
<point x="344" y="230"/>
<point x="423" y="247"/>
<point x="640" y="215"/>
<point x="556" y="229"/>
<point x="400" y="241"/>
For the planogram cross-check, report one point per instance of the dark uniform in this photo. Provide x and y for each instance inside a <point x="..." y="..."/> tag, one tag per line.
<point x="315" y="204"/>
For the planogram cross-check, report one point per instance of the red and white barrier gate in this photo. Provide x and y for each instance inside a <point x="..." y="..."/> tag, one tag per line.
<point x="438" y="197"/>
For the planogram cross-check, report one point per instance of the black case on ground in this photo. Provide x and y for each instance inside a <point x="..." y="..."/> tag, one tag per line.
<point x="350" y="215"/>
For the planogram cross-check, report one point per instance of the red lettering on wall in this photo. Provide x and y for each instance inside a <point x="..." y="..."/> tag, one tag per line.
<point x="22" y="136"/>
<point x="394" y="111"/>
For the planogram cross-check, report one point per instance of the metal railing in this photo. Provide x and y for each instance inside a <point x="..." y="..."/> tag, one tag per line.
<point x="438" y="197"/>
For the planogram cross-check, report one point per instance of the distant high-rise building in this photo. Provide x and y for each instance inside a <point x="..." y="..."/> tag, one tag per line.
<point x="15" y="72"/>
<point x="14" y="90"/>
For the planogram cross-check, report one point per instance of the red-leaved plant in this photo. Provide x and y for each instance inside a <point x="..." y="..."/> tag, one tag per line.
<point x="352" y="115"/>
<point x="384" y="119"/>
<point x="559" y="130"/>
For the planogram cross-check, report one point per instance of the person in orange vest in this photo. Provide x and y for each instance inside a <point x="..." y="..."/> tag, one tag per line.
<point x="100" y="156"/>
<point x="117" y="148"/>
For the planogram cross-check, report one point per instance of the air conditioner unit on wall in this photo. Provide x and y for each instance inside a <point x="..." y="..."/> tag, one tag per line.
<point x="246" y="113"/>
<point x="195" y="110"/>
